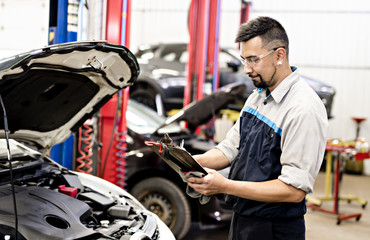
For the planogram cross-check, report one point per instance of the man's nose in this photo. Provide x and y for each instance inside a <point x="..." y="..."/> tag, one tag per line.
<point x="247" y="69"/>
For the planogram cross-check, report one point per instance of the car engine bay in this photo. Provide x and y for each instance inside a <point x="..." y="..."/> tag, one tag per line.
<point x="53" y="204"/>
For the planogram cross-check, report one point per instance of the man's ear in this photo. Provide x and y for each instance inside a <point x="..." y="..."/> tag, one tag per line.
<point x="281" y="54"/>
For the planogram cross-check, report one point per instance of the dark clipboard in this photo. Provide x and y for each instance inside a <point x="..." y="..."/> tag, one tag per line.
<point x="176" y="157"/>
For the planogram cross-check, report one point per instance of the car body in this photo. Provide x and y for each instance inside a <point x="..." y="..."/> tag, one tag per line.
<point x="47" y="94"/>
<point x="157" y="186"/>
<point x="163" y="76"/>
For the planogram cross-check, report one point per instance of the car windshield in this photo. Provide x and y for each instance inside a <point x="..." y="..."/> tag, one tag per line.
<point x="17" y="151"/>
<point x="144" y="120"/>
<point x="6" y="63"/>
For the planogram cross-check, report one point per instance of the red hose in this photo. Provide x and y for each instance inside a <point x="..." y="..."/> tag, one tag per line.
<point x="85" y="161"/>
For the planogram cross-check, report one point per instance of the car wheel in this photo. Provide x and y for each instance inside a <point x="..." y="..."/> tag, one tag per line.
<point x="168" y="201"/>
<point x="145" y="95"/>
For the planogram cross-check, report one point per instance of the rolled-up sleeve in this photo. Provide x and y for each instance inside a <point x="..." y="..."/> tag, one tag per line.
<point x="230" y="145"/>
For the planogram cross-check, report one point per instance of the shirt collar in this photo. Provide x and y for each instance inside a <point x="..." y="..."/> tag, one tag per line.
<point x="279" y="92"/>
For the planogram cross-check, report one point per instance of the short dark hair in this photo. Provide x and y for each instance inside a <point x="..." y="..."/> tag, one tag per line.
<point x="270" y="31"/>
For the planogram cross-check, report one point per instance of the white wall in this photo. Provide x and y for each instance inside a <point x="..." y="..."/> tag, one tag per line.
<point x="329" y="40"/>
<point x="24" y="25"/>
<point x="158" y="21"/>
<point x="166" y="21"/>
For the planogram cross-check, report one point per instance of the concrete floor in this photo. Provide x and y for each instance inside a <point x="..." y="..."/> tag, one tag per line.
<point x="321" y="226"/>
<point x="324" y="226"/>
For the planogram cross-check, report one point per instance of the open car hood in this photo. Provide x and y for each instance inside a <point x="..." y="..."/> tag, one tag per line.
<point x="48" y="93"/>
<point x="200" y="112"/>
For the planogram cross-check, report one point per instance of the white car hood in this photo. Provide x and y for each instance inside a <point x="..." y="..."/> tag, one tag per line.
<point x="48" y="93"/>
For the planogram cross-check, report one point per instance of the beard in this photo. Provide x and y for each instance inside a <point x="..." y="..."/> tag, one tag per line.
<point x="262" y="83"/>
<point x="259" y="84"/>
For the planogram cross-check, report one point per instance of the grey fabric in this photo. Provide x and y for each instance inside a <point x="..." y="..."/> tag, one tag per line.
<point x="190" y="191"/>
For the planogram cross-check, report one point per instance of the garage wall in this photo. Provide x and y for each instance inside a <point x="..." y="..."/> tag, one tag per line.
<point x="166" y="21"/>
<point x="158" y="21"/>
<point x="24" y="25"/>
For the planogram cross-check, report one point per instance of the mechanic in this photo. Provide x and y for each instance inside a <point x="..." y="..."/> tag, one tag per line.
<point x="275" y="148"/>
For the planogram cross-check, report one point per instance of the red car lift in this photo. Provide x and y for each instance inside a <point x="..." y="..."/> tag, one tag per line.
<point x="203" y="48"/>
<point x="213" y="46"/>
<point x="112" y="152"/>
<point x="245" y="11"/>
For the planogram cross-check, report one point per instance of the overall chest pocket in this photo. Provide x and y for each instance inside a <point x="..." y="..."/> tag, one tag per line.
<point x="259" y="137"/>
<point x="261" y="143"/>
<point x="270" y="149"/>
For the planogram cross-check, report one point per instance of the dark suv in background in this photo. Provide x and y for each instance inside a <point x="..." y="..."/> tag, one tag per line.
<point x="163" y="76"/>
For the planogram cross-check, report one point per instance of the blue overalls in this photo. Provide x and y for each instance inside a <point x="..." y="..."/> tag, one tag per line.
<point x="258" y="160"/>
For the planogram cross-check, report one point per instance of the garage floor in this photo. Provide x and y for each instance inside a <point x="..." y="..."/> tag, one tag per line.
<point x="321" y="226"/>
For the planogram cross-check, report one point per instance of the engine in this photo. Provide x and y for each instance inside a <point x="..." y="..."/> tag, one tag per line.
<point x="53" y="204"/>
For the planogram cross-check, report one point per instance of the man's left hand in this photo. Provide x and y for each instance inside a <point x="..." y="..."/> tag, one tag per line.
<point x="211" y="184"/>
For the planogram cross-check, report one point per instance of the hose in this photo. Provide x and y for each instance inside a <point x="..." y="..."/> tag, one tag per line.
<point x="121" y="147"/>
<point x="85" y="152"/>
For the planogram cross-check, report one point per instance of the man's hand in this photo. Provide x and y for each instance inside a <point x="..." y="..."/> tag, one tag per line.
<point x="211" y="184"/>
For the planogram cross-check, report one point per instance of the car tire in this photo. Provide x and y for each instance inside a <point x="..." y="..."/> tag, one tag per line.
<point x="168" y="201"/>
<point x="145" y="95"/>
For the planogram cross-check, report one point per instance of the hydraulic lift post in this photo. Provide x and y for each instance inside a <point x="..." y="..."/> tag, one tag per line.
<point x="203" y="49"/>
<point x="112" y="156"/>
